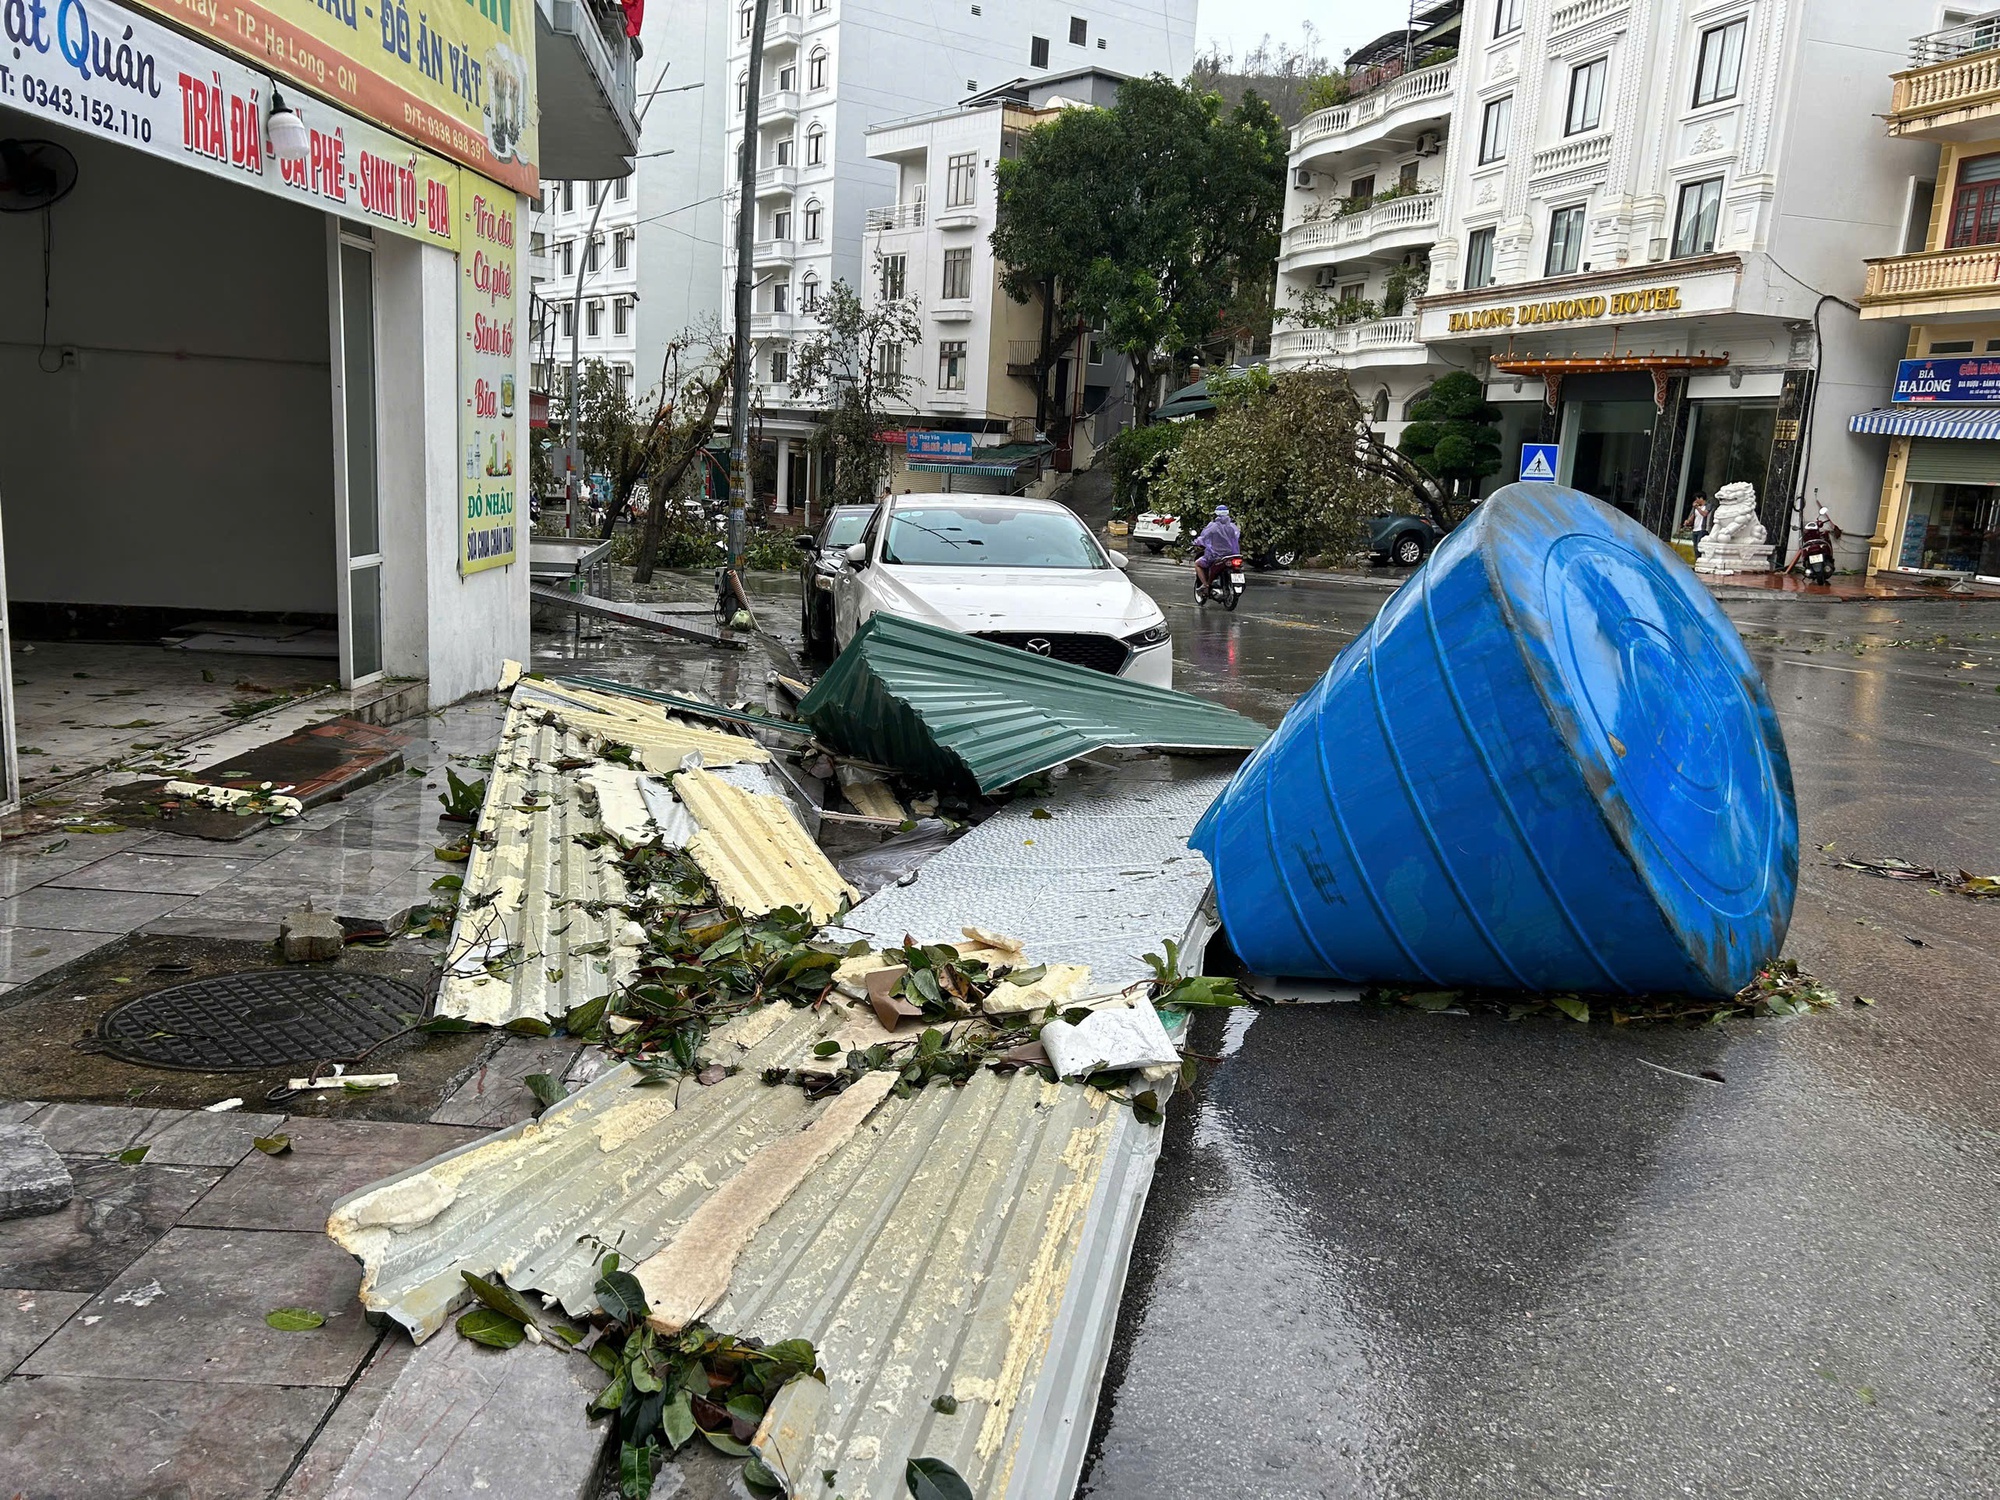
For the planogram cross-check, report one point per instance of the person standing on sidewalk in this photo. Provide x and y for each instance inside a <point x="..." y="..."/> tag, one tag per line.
<point x="1697" y="521"/>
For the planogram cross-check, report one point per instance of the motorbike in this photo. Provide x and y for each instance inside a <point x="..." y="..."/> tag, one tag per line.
<point x="1816" y="553"/>
<point x="1225" y="583"/>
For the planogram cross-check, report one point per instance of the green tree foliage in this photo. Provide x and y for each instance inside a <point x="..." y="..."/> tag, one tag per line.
<point x="1156" y="219"/>
<point x="1136" y="458"/>
<point x="852" y="366"/>
<point x="1287" y="460"/>
<point x="694" y="379"/>
<point x="1451" y="433"/>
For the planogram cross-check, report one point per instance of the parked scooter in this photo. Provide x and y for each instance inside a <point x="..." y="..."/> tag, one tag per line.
<point x="1225" y="583"/>
<point x="1815" y="554"/>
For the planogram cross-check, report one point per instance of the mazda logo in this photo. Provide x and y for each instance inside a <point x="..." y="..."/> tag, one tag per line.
<point x="1039" y="646"/>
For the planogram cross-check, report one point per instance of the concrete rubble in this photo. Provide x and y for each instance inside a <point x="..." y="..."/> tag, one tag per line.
<point x="33" y="1179"/>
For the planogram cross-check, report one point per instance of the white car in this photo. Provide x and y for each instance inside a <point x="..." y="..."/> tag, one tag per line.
<point x="1156" y="531"/>
<point x="1024" y="573"/>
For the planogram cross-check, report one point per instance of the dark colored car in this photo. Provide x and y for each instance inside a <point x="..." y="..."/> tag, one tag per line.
<point x="1402" y="539"/>
<point x="825" y="551"/>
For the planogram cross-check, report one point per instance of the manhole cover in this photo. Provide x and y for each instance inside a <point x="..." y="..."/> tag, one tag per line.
<point x="262" y="1019"/>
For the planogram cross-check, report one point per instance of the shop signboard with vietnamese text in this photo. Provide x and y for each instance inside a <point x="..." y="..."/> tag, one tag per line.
<point x="455" y="76"/>
<point x="486" y="315"/>
<point x="938" y="444"/>
<point x="112" y="73"/>
<point x="1951" y="379"/>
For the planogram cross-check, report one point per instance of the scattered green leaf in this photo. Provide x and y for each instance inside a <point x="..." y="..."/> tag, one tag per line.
<point x="294" y="1319"/>
<point x="131" y="1156"/>
<point x="945" y="1406"/>
<point x="272" y="1145"/>
<point x="934" y="1479"/>
<point x="483" y="1325"/>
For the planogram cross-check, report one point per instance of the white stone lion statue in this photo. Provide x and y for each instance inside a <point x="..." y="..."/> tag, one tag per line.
<point x="1734" y="522"/>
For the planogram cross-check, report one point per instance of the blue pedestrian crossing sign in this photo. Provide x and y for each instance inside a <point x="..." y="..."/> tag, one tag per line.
<point x="1538" y="462"/>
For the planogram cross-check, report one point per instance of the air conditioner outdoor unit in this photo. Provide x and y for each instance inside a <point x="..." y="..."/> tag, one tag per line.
<point x="1429" y="143"/>
<point x="1302" y="178"/>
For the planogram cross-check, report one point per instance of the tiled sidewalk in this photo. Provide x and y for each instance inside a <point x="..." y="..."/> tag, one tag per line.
<point x="63" y="895"/>
<point x="132" y="1336"/>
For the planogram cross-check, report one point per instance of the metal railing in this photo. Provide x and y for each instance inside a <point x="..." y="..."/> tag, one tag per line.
<point x="898" y="216"/>
<point x="1571" y="156"/>
<point x="1980" y="34"/>
<point x="1417" y="211"/>
<point x="1432" y="83"/>
<point x="1974" y="269"/>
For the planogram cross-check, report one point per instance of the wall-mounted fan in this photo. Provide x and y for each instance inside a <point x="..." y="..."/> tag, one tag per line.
<point x="33" y="174"/>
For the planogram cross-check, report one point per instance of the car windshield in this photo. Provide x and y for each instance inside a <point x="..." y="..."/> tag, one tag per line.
<point x="991" y="536"/>
<point x="846" y="527"/>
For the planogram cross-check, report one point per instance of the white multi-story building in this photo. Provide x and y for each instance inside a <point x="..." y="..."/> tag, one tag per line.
<point x="1651" y="237"/>
<point x="562" y="243"/>
<point x="977" y="365"/>
<point x="834" y="68"/>
<point x="1361" y="214"/>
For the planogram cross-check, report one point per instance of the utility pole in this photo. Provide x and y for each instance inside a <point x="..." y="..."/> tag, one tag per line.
<point x="574" y="457"/>
<point x="746" y="235"/>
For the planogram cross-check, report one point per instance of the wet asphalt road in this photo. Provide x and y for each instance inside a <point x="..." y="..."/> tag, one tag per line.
<point x="1405" y="1255"/>
<point x="1396" y="1254"/>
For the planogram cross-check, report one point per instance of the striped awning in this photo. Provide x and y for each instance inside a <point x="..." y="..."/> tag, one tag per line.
<point x="1926" y="420"/>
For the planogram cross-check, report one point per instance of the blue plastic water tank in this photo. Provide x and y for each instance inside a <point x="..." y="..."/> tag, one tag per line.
<point x="1548" y="764"/>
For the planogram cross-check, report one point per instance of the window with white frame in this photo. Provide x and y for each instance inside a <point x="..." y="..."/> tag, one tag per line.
<point x="742" y="92"/>
<point x="889" y="360"/>
<point x="1586" y="96"/>
<point x="781" y="224"/>
<point x="957" y="275"/>
<point x="621" y="189"/>
<point x="621" y="380"/>
<point x="1079" y="31"/>
<point x="621" y="249"/>
<point x="566" y="252"/>
<point x="1038" y="52"/>
<point x="809" y="293"/>
<point x="815" y="147"/>
<point x="1479" y="259"/>
<point x="783" y="152"/>
<point x="1718" y="69"/>
<point x="788" y="79"/>
<point x="1565" y="241"/>
<point x="816" y="69"/>
<point x="1695" y="219"/>
<point x="960" y="173"/>
<point x="569" y="320"/>
<point x="590" y="254"/>
<point x="1496" y="123"/>
<point x="1507" y="17"/>
<point x="818" y="6"/>
<point x="781" y="366"/>
<point x="621" y="315"/>
<point x="951" y="365"/>
<point x="593" y="191"/>
<point x="743" y="20"/>
<point x="811" y="216"/>
<point x="593" y="318"/>
<point x="568" y="196"/>
<point x="781" y="296"/>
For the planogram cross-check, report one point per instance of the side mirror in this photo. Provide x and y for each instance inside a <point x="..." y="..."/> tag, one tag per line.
<point x="856" y="555"/>
<point x="805" y="541"/>
<point x="1118" y="560"/>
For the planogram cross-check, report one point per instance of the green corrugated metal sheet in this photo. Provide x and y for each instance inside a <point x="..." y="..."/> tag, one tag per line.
<point x="934" y="703"/>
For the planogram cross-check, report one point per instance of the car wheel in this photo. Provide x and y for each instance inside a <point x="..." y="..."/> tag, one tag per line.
<point x="1409" y="549"/>
<point x="1156" y="548"/>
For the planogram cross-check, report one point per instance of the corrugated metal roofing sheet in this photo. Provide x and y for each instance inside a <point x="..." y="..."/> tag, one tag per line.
<point x="658" y="738"/>
<point x="971" y="713"/>
<point x="538" y="904"/>
<point x="754" y="852"/>
<point x="970" y="1242"/>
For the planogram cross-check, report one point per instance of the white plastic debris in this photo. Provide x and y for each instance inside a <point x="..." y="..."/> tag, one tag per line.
<point x="1109" y="1040"/>
<point x="335" y="1081"/>
<point x="229" y="799"/>
<point x="222" y="1106"/>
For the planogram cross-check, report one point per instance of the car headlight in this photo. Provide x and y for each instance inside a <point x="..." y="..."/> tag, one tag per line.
<point x="1151" y="636"/>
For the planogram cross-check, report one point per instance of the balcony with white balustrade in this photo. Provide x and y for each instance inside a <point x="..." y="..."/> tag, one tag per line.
<point x="1952" y="90"/>
<point x="1397" y="112"/>
<point x="1372" y="342"/>
<point x="1384" y="231"/>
